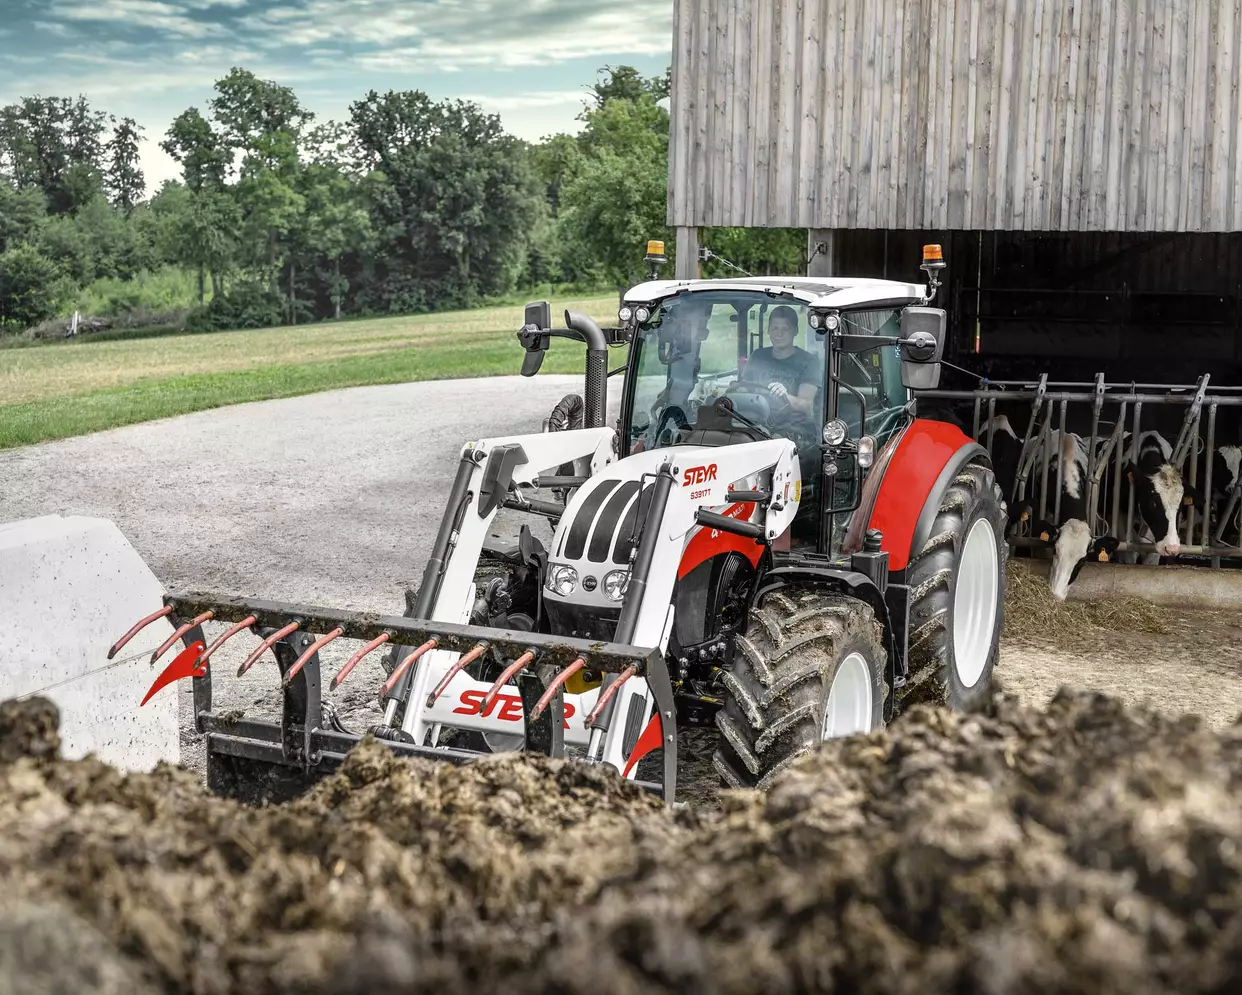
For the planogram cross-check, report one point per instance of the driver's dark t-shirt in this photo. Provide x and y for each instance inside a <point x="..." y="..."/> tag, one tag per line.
<point x="793" y="371"/>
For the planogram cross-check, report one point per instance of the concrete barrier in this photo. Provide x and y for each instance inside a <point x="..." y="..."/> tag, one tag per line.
<point x="69" y="588"/>
<point x="1173" y="586"/>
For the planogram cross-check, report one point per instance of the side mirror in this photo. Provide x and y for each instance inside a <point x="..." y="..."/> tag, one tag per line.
<point x="922" y="345"/>
<point x="534" y="336"/>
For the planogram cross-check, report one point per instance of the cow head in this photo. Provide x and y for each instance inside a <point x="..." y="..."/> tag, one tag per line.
<point x="1072" y="547"/>
<point x="1159" y="492"/>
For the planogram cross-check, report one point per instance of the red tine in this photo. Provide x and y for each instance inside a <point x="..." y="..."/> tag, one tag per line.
<point x="275" y="637"/>
<point x="456" y="669"/>
<point x="557" y="681"/>
<point x="181" y="631"/>
<point x="138" y="627"/>
<point x="352" y="662"/>
<point x="606" y="695"/>
<point x="248" y="621"/>
<point x="311" y="650"/>
<point x="401" y="668"/>
<point x="504" y="679"/>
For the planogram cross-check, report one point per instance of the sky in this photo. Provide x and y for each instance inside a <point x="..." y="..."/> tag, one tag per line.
<point x="527" y="60"/>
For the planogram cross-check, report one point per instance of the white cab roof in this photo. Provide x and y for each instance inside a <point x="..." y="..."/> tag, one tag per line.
<point x="830" y="292"/>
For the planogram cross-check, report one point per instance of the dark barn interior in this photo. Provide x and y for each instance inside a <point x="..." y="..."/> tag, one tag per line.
<point x="1157" y="308"/>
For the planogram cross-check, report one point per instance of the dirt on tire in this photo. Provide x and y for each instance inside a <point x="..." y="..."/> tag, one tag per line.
<point x="1085" y="847"/>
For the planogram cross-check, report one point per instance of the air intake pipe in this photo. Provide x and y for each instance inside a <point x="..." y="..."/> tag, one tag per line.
<point x="596" y="394"/>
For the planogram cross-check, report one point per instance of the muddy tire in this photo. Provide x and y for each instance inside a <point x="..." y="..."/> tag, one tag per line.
<point x="957" y="596"/>
<point x="810" y="666"/>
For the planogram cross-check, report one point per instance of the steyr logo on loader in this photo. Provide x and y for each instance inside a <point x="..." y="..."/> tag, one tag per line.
<point x="698" y="475"/>
<point x="506" y="707"/>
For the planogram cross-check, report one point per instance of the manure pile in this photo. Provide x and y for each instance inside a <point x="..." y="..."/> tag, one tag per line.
<point x="1086" y="847"/>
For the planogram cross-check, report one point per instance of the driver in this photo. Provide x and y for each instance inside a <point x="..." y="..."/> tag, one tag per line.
<point x="786" y="370"/>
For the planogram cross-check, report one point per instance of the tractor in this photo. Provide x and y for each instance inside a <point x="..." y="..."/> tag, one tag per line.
<point x="769" y="540"/>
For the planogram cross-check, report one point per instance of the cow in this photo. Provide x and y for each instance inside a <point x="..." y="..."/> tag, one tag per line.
<point x="1071" y="537"/>
<point x="1160" y="493"/>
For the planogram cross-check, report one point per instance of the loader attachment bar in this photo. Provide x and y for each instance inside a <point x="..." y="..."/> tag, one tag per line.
<point x="308" y="738"/>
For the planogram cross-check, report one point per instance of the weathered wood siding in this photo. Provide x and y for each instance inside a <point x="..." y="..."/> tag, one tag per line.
<point x="1035" y="115"/>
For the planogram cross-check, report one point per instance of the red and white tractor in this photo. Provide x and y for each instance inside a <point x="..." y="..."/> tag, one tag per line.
<point x="770" y="539"/>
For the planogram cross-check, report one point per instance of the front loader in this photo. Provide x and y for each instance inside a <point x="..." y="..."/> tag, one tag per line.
<point x="770" y="540"/>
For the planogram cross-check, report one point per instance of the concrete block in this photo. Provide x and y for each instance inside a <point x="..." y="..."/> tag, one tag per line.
<point x="69" y="588"/>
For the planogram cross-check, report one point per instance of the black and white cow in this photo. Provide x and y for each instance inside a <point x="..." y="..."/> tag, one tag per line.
<point x="1071" y="536"/>
<point x="1160" y="493"/>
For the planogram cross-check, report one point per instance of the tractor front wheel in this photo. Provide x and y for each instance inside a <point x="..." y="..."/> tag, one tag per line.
<point x="810" y="667"/>
<point x="957" y="596"/>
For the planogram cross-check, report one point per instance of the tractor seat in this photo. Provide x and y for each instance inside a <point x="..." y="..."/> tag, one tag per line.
<point x="716" y="428"/>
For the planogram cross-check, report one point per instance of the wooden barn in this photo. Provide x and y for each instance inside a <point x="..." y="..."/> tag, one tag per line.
<point x="1078" y="159"/>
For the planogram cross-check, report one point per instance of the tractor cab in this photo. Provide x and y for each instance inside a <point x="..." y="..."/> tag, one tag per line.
<point x="814" y="361"/>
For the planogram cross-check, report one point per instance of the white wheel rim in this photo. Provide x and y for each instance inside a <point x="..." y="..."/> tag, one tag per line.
<point x="974" y="605"/>
<point x="848" y="709"/>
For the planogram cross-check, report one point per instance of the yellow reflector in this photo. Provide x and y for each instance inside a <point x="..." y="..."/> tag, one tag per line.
<point x="655" y="248"/>
<point x="933" y="254"/>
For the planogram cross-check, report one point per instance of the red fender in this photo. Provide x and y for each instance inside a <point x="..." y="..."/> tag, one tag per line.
<point x="909" y="481"/>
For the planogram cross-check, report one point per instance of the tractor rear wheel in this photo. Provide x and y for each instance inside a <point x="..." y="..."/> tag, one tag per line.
<point x="957" y="596"/>
<point x="810" y="667"/>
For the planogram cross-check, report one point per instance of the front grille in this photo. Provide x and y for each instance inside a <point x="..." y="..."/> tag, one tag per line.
<point x="589" y="623"/>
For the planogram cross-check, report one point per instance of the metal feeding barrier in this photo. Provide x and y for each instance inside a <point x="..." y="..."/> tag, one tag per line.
<point x="1116" y="427"/>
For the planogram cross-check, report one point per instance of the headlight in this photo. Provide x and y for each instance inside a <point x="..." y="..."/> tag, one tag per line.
<point x="616" y="584"/>
<point x="815" y="320"/>
<point x="642" y="314"/>
<point x="625" y="314"/>
<point x="832" y="322"/>
<point x="866" y="451"/>
<point x="835" y="432"/>
<point x="562" y="580"/>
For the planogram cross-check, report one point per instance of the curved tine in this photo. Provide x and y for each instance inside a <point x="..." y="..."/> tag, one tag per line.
<point x="557" y="681"/>
<point x="352" y="662"/>
<point x="248" y="621"/>
<point x="311" y="650"/>
<point x="457" y="668"/>
<point x="504" y="679"/>
<point x="401" y="668"/>
<point x="275" y="637"/>
<point x="181" y="631"/>
<point x="606" y="695"/>
<point x="138" y="627"/>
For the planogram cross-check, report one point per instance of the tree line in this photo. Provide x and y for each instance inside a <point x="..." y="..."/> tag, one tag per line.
<point x="407" y="205"/>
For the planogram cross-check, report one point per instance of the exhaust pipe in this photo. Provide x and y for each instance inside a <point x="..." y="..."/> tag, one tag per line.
<point x="596" y="394"/>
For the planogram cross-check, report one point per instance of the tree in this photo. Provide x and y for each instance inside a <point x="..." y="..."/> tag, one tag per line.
<point x="203" y="154"/>
<point x="335" y="223"/>
<point x="22" y="213"/>
<point x="627" y="83"/>
<point x="54" y="144"/>
<point x="124" y="180"/>
<point x="616" y="198"/>
<point x="27" y="286"/>
<point x="454" y="201"/>
<point x="261" y="118"/>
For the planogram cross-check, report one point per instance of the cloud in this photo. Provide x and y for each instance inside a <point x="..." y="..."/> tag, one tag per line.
<point x="527" y="101"/>
<point x="151" y="15"/>
<point x="400" y="35"/>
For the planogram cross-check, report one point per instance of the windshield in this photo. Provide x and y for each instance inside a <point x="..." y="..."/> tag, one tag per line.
<point x="754" y="349"/>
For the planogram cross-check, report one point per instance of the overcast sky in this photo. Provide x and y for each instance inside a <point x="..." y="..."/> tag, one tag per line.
<point x="527" y="60"/>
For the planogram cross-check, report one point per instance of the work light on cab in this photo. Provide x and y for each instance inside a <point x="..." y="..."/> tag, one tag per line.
<point x="835" y="432"/>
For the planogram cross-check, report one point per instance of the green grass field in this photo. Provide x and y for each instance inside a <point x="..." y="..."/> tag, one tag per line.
<point x="59" y="389"/>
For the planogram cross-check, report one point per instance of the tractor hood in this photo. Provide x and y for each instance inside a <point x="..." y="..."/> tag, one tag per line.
<point x="596" y="535"/>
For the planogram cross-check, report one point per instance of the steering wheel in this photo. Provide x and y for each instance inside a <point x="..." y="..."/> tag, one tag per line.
<point x="779" y="410"/>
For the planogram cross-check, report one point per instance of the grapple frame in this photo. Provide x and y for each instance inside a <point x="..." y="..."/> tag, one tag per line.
<point x="310" y="740"/>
